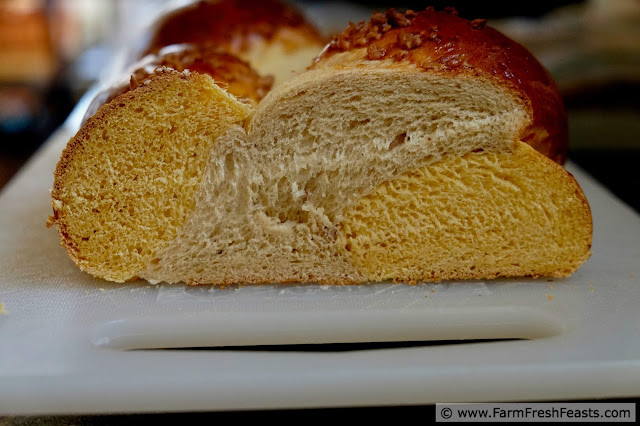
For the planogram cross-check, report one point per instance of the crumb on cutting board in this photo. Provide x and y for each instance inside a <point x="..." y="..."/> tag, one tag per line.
<point x="3" y="311"/>
<point x="549" y="296"/>
<point x="591" y="287"/>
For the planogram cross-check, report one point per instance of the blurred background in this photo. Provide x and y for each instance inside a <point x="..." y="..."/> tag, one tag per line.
<point x="53" y="51"/>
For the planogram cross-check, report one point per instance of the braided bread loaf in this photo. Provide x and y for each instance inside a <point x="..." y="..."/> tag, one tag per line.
<point x="417" y="147"/>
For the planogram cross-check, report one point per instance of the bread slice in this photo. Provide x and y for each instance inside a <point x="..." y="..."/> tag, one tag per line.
<point x="481" y="215"/>
<point x="357" y="170"/>
<point x="127" y="181"/>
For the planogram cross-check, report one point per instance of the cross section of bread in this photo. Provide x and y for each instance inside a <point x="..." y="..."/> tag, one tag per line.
<point x="418" y="147"/>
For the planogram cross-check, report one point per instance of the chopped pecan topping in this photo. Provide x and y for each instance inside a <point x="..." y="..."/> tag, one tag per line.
<point x="374" y="33"/>
<point x="375" y="52"/>
<point x="351" y="28"/>
<point x="386" y="35"/>
<point x="399" y="55"/>
<point x="397" y="19"/>
<point x="453" y="61"/>
<point x="343" y="43"/>
<point x="378" y="18"/>
<point x="361" y="41"/>
<point x="478" y="24"/>
<point x="409" y="40"/>
<point x="133" y="83"/>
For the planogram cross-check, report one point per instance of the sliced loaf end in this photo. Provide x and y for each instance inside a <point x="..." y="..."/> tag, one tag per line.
<point x="126" y="182"/>
<point x="477" y="216"/>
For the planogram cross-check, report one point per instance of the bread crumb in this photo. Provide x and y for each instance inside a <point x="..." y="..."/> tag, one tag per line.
<point x="102" y="289"/>
<point x="549" y="296"/>
<point x="3" y="311"/>
<point x="550" y="287"/>
<point x="324" y="287"/>
<point x="433" y="290"/>
<point x="591" y="287"/>
<point x="573" y="286"/>
<point x="426" y="297"/>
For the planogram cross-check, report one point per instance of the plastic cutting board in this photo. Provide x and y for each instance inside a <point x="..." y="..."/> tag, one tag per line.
<point x="70" y="343"/>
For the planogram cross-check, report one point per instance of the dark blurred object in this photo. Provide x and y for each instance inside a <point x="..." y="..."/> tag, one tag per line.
<point x="33" y="98"/>
<point x="616" y="169"/>
<point x="587" y="47"/>
<point x="28" y="62"/>
<point x="18" y="105"/>
<point x="27" y="54"/>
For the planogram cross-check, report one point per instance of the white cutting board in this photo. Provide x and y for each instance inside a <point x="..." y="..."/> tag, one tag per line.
<point x="66" y="338"/>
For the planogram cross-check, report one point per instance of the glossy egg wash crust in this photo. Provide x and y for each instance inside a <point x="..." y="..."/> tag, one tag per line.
<point x="273" y="37"/>
<point x="441" y="41"/>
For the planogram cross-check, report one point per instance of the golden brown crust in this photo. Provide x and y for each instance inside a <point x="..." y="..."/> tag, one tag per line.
<point x="440" y="41"/>
<point x="232" y="25"/>
<point x="228" y="71"/>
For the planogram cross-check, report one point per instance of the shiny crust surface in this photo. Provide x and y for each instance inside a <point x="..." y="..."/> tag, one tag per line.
<point x="441" y="41"/>
<point x="228" y="71"/>
<point x="231" y="24"/>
